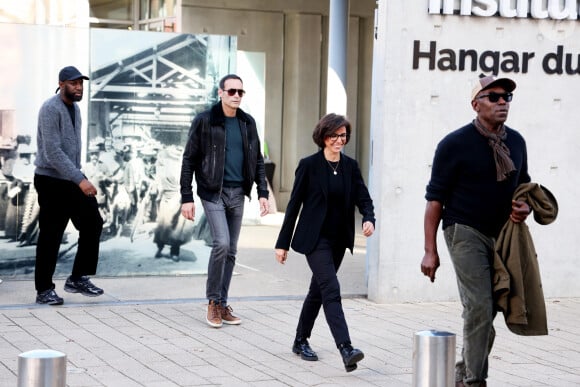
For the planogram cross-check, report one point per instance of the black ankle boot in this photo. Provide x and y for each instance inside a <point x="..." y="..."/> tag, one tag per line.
<point x="350" y="356"/>
<point x="302" y="348"/>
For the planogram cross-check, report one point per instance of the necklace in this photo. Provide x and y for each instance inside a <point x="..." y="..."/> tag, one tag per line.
<point x="334" y="169"/>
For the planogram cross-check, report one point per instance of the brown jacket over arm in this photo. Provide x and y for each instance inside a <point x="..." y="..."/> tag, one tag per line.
<point x="517" y="284"/>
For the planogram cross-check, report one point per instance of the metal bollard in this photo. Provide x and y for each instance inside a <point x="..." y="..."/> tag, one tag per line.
<point x="433" y="359"/>
<point x="42" y="368"/>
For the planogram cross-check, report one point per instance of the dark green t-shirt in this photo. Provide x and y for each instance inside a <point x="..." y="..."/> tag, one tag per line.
<point x="233" y="173"/>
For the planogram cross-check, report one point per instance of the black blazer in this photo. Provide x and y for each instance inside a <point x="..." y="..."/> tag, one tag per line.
<point x="310" y="192"/>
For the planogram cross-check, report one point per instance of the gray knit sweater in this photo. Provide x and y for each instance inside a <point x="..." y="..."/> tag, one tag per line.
<point x="58" y="142"/>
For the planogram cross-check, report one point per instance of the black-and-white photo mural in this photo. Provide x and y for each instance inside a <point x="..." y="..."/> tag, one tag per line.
<point x="145" y="88"/>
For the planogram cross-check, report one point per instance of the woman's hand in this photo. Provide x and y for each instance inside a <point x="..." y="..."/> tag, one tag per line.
<point x="368" y="228"/>
<point x="281" y="255"/>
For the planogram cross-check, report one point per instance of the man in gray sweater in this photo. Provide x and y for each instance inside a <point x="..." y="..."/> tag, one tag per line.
<point x="64" y="193"/>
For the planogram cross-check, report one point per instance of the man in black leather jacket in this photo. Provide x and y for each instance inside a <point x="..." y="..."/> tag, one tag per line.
<point x="224" y="153"/>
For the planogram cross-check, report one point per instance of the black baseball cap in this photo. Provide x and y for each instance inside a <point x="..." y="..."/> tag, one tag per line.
<point x="70" y="73"/>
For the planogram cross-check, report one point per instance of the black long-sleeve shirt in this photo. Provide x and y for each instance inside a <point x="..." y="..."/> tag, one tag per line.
<point x="463" y="179"/>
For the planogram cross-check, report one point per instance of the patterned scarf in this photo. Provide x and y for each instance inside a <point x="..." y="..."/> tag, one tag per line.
<point x="501" y="153"/>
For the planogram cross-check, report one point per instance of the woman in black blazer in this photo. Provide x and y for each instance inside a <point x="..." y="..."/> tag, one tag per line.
<point x="327" y="186"/>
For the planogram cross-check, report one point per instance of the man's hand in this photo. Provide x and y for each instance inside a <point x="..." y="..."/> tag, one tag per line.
<point x="188" y="210"/>
<point x="87" y="187"/>
<point x="264" y="207"/>
<point x="520" y="211"/>
<point x="429" y="265"/>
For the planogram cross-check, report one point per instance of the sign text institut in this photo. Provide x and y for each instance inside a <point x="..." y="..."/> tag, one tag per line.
<point x="536" y="9"/>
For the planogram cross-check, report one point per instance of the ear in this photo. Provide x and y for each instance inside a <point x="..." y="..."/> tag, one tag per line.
<point x="475" y="105"/>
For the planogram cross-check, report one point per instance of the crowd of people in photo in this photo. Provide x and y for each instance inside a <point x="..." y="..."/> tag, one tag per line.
<point x="138" y="192"/>
<point x="18" y="210"/>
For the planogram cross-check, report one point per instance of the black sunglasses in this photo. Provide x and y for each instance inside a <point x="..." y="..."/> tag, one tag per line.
<point x="494" y="97"/>
<point x="232" y="92"/>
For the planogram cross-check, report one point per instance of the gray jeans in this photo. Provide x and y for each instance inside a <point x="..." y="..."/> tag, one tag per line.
<point x="225" y="221"/>
<point x="472" y="256"/>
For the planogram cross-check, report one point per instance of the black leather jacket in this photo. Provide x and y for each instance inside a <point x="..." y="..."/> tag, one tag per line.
<point x="204" y="156"/>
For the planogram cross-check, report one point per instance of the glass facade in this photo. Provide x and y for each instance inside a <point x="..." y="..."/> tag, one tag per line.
<point x="145" y="15"/>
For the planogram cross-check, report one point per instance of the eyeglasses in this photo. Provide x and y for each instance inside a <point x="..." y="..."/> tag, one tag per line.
<point x="232" y="92"/>
<point x="494" y="97"/>
<point x="334" y="136"/>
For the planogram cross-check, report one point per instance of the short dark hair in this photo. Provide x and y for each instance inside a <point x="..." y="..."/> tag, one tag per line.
<point x="327" y="125"/>
<point x="222" y="83"/>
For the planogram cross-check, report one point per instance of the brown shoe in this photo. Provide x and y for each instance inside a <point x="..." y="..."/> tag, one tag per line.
<point x="228" y="317"/>
<point x="214" y="318"/>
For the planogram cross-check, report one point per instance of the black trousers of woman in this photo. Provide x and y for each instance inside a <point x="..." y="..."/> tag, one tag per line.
<point x="61" y="201"/>
<point x="324" y="291"/>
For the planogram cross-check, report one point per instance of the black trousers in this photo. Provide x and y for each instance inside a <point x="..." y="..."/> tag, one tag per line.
<point x="61" y="201"/>
<point x="324" y="291"/>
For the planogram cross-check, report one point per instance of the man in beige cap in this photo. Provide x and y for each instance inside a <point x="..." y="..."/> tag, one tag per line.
<point x="475" y="172"/>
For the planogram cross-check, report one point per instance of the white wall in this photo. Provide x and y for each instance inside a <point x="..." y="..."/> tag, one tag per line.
<point x="414" y="108"/>
<point x="29" y="69"/>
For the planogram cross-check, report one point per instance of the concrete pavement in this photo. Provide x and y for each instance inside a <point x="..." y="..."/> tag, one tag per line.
<point x="151" y="331"/>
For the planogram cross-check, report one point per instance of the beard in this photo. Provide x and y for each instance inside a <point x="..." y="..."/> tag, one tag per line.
<point x="72" y="96"/>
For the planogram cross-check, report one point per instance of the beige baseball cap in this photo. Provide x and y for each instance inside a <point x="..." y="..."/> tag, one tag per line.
<point x="489" y="82"/>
